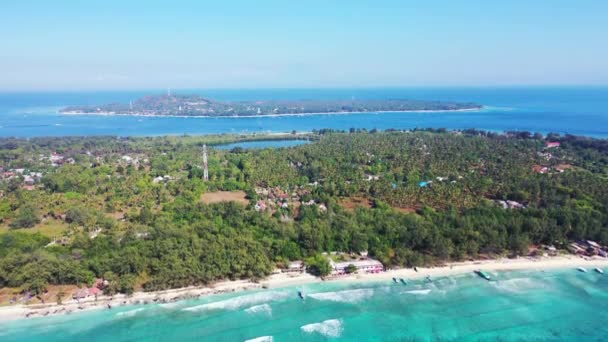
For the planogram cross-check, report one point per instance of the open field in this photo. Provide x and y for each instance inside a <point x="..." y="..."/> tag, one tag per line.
<point x="225" y="196"/>
<point x="49" y="228"/>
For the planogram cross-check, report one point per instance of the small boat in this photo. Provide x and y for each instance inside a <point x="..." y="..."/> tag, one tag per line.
<point x="403" y="281"/>
<point x="395" y="280"/>
<point x="428" y="279"/>
<point x="582" y="269"/>
<point x="301" y="294"/>
<point x="483" y="274"/>
<point x="599" y="270"/>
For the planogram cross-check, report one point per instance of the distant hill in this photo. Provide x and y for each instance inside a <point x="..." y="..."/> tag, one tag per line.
<point x="194" y="105"/>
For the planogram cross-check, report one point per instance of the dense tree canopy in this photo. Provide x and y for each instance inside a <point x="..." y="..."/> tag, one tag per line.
<point x="130" y="210"/>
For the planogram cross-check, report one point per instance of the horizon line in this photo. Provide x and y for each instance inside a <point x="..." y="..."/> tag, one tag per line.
<point x="178" y="89"/>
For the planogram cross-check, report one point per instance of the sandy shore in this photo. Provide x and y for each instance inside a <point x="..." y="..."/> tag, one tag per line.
<point x="273" y="115"/>
<point x="284" y="280"/>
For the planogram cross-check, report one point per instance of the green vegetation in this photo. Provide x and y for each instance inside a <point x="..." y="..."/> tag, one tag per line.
<point x="193" y="105"/>
<point x="106" y="214"/>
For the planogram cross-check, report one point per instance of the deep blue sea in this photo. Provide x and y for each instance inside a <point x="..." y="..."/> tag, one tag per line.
<point x="574" y="110"/>
<point x="564" y="305"/>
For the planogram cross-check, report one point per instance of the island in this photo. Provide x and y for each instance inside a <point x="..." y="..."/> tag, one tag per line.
<point x="195" y="105"/>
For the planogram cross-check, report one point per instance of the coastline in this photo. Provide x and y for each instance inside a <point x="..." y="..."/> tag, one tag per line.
<point x="16" y="312"/>
<point x="272" y="115"/>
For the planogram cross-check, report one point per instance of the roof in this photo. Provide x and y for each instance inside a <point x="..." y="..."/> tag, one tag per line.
<point x="357" y="263"/>
<point x="296" y="264"/>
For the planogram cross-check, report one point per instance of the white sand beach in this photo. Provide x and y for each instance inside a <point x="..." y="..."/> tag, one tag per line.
<point x="271" y="115"/>
<point x="71" y="306"/>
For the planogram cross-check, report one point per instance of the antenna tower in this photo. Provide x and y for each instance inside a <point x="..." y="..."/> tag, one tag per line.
<point x="205" y="166"/>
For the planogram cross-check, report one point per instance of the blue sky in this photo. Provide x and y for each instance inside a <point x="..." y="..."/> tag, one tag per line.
<point x="119" y="44"/>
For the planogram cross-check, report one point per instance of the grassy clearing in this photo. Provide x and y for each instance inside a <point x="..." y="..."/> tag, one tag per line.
<point x="49" y="228"/>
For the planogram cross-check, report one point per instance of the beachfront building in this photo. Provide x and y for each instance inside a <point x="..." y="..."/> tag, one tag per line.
<point x="296" y="266"/>
<point x="366" y="265"/>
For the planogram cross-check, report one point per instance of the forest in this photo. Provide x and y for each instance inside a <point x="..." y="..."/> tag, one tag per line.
<point x="131" y="210"/>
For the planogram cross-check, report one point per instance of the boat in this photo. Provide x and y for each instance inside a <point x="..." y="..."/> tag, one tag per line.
<point x="301" y="294"/>
<point x="403" y="281"/>
<point x="483" y="274"/>
<point x="582" y="269"/>
<point x="395" y="280"/>
<point x="428" y="279"/>
<point x="599" y="270"/>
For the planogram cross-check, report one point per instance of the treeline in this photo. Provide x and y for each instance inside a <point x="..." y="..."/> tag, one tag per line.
<point x="136" y="233"/>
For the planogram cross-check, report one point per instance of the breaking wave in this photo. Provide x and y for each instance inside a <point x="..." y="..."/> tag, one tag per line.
<point x="328" y="328"/>
<point x="345" y="296"/>
<point x="423" y="292"/>
<point x="129" y="313"/>
<point x="261" y="339"/>
<point x="262" y="308"/>
<point x="241" y="301"/>
<point x="517" y="285"/>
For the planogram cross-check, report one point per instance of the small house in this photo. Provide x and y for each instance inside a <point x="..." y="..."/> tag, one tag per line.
<point x="296" y="266"/>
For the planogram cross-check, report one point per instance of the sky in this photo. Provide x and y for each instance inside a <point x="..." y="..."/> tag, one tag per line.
<point x="119" y="44"/>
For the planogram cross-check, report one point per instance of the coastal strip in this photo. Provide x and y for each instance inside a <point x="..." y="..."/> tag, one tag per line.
<point x="15" y="312"/>
<point x="268" y="115"/>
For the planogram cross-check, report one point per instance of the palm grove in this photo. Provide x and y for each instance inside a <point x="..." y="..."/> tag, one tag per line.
<point x="427" y="197"/>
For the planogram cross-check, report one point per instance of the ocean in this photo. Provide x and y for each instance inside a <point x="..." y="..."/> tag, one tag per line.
<point x="557" y="305"/>
<point x="563" y="305"/>
<point x="574" y="110"/>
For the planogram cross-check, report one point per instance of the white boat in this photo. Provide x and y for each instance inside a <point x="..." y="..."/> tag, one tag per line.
<point x="599" y="270"/>
<point x="582" y="269"/>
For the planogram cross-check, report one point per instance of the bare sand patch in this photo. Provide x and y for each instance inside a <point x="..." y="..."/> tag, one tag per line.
<point x="225" y="196"/>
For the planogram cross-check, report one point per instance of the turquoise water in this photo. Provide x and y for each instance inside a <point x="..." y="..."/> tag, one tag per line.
<point x="563" y="305"/>
<point x="262" y="144"/>
<point x="575" y="110"/>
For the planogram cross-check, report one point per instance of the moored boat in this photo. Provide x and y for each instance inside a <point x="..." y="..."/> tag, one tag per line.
<point x="483" y="274"/>
<point x="301" y="294"/>
<point x="582" y="269"/>
<point x="599" y="270"/>
<point x="403" y="281"/>
<point x="395" y="280"/>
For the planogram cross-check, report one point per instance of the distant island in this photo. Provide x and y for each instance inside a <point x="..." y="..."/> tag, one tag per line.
<point x="194" y="105"/>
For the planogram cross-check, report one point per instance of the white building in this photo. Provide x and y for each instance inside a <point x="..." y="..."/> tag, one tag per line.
<point x="295" y="266"/>
<point x="365" y="265"/>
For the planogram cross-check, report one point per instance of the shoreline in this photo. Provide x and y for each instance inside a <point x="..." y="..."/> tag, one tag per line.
<point x="272" y="115"/>
<point x="281" y="280"/>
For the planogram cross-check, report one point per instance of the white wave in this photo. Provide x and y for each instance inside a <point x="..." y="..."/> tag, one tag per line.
<point x="261" y="339"/>
<point x="172" y="305"/>
<point x="345" y="296"/>
<point x="328" y="328"/>
<point x="517" y="285"/>
<point x="423" y="292"/>
<point x="262" y="308"/>
<point x="241" y="301"/>
<point x="129" y="313"/>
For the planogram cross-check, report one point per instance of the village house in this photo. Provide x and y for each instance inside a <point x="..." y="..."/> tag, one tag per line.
<point x="260" y="206"/>
<point x="367" y="265"/>
<point x="510" y="204"/>
<point x="29" y="180"/>
<point x="552" y="144"/>
<point x="295" y="266"/>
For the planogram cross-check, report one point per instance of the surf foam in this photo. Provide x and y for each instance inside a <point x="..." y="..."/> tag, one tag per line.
<point x="328" y="328"/>
<point x="261" y="339"/>
<point x="129" y="313"/>
<point x="345" y="296"/>
<point x="241" y="301"/>
<point x="262" y="308"/>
